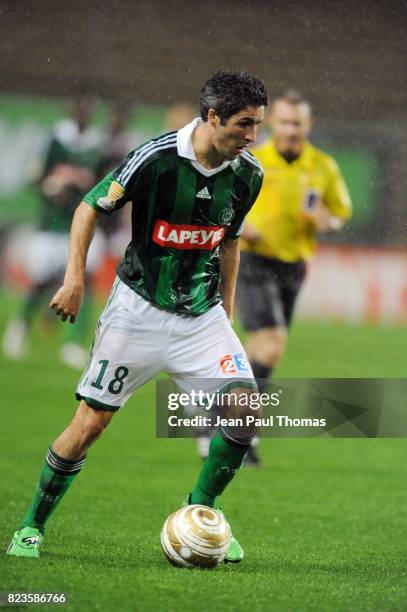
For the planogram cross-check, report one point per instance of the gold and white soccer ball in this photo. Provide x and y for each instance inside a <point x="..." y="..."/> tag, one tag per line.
<point x="195" y="536"/>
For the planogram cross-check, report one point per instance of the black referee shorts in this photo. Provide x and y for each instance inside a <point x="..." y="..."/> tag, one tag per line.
<point x="267" y="290"/>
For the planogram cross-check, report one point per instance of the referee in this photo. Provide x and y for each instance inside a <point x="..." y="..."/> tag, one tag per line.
<point x="303" y="194"/>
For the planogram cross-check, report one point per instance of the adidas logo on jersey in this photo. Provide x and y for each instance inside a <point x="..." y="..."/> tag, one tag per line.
<point x="204" y="194"/>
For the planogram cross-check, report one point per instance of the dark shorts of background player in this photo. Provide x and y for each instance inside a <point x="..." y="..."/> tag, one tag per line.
<point x="267" y="290"/>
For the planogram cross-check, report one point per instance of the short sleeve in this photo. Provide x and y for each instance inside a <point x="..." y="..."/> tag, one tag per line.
<point x="117" y="187"/>
<point x="336" y="197"/>
<point x="108" y="195"/>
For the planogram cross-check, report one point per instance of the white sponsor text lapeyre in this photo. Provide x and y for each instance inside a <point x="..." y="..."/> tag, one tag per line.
<point x="187" y="236"/>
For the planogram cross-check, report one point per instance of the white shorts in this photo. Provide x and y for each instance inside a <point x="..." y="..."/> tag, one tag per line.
<point x="135" y="340"/>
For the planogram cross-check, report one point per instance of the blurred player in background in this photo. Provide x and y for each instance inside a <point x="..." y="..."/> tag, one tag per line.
<point x="178" y="114"/>
<point x="116" y="144"/>
<point x="116" y="140"/>
<point x="303" y="194"/>
<point x="68" y="171"/>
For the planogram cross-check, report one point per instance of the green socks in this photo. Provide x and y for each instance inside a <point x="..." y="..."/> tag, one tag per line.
<point x="56" y="477"/>
<point x="223" y="461"/>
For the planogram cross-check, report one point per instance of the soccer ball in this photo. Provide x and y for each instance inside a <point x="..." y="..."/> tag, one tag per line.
<point x="195" y="536"/>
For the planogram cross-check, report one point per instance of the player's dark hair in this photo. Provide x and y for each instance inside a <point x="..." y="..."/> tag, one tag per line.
<point x="230" y="92"/>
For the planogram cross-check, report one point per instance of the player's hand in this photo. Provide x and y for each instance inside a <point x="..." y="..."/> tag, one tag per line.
<point x="67" y="301"/>
<point x="323" y="220"/>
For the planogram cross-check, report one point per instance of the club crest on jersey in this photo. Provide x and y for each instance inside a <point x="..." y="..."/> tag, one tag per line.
<point x="179" y="236"/>
<point x="226" y="215"/>
<point x="232" y="364"/>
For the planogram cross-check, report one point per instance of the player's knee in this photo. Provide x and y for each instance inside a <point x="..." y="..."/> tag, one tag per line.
<point x="271" y="355"/>
<point x="272" y="346"/>
<point x="242" y="412"/>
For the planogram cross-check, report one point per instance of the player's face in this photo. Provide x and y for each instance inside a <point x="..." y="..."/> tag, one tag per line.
<point x="291" y="124"/>
<point x="238" y="133"/>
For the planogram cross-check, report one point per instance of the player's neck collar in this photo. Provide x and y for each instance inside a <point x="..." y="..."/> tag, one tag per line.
<point x="186" y="149"/>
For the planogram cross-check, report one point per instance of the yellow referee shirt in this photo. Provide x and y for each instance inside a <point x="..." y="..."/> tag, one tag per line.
<point x="288" y="190"/>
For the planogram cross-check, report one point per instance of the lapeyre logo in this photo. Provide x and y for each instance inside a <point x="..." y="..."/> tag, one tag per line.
<point x="187" y="236"/>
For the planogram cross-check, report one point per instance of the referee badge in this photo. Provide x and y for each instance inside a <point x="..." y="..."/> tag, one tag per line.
<point x="311" y="198"/>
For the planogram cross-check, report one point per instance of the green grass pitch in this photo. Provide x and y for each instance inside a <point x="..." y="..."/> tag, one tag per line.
<point x="323" y="523"/>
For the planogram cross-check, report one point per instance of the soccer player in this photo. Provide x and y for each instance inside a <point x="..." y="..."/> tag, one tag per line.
<point x="172" y="302"/>
<point x="69" y="170"/>
<point x="303" y="194"/>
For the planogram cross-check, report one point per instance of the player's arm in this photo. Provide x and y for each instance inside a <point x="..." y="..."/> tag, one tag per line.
<point x="336" y="206"/>
<point x="229" y="266"/>
<point x="106" y="197"/>
<point x="323" y="219"/>
<point x="68" y="299"/>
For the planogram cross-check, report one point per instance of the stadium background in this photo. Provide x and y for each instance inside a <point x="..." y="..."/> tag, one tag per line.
<point x="349" y="60"/>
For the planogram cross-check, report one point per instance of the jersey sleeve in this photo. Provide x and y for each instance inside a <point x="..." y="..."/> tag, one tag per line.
<point x="107" y="195"/>
<point x="118" y="187"/>
<point x="336" y="197"/>
<point x="235" y="228"/>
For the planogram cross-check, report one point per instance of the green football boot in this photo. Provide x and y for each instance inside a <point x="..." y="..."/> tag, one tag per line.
<point x="235" y="552"/>
<point x="25" y="543"/>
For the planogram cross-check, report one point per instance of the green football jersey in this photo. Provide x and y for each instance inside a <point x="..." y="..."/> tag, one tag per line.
<point x="181" y="213"/>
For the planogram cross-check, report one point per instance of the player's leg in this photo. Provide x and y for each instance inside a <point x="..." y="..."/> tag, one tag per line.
<point x="45" y="264"/>
<point x="227" y="449"/>
<point x="63" y="462"/>
<point x="210" y="355"/>
<point x="267" y="293"/>
<point x="124" y="340"/>
<point x="15" y="337"/>
<point x="262" y="314"/>
<point x="264" y="348"/>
